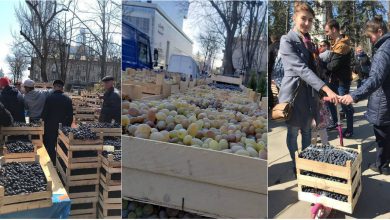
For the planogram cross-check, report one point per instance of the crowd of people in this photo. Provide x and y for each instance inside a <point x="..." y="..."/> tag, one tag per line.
<point x="303" y="72"/>
<point x="53" y="107"/>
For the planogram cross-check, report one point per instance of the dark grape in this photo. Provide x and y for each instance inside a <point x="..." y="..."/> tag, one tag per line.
<point x="19" y="178"/>
<point x="323" y="176"/>
<point x="328" y="154"/>
<point x="31" y="124"/>
<point x="113" y="141"/>
<point x="18" y="146"/>
<point x="80" y="133"/>
<point x="101" y="125"/>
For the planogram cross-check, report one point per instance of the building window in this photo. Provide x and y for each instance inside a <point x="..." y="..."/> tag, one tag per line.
<point x="142" y="24"/>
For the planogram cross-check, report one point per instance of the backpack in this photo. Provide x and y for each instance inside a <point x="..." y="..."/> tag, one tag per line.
<point x="278" y="71"/>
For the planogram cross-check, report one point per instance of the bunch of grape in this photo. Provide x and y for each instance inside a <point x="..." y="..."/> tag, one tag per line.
<point x="18" y="146"/>
<point x="328" y="194"/>
<point x="328" y="154"/>
<point x="18" y="178"/>
<point x="80" y="133"/>
<point x="225" y="86"/>
<point x="322" y="176"/>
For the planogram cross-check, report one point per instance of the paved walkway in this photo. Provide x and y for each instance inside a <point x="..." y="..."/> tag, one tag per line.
<point x="374" y="201"/>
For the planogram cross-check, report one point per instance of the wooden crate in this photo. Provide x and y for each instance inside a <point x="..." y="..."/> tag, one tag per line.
<point x="108" y="132"/>
<point x="109" y="162"/>
<point x="31" y="132"/>
<point x="110" y="194"/>
<point x="74" y="144"/>
<point x="22" y="202"/>
<point x="110" y="179"/>
<point x="195" y="180"/>
<point x="110" y="210"/>
<point x="79" y="173"/>
<point x="83" y="208"/>
<point x="351" y="173"/>
<point x="227" y="79"/>
<point x="30" y="156"/>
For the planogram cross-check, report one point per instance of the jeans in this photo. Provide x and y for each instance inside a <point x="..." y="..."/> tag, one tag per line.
<point x="382" y="135"/>
<point x="341" y="89"/>
<point x="292" y="139"/>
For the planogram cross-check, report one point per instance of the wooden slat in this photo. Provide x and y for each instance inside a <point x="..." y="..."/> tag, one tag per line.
<point x="196" y="164"/>
<point x="192" y="196"/>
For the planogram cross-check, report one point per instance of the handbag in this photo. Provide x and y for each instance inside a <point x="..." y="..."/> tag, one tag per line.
<point x="282" y="111"/>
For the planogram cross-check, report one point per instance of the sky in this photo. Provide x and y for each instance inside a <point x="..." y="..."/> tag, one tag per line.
<point x="6" y="11"/>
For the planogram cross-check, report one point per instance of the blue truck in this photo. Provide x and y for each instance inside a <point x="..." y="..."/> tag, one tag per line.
<point x="136" y="50"/>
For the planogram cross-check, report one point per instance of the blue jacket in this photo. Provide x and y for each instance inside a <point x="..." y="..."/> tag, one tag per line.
<point x="377" y="85"/>
<point x="295" y="59"/>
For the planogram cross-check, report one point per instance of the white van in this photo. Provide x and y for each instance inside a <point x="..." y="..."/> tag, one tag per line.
<point x="185" y="65"/>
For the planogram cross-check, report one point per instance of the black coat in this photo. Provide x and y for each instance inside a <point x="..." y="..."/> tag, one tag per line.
<point x="111" y="106"/>
<point x="58" y="109"/>
<point x="12" y="100"/>
<point x="377" y="85"/>
<point x="5" y="116"/>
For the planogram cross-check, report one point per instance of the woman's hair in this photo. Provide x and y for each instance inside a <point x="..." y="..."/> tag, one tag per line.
<point x="375" y="24"/>
<point x="302" y="6"/>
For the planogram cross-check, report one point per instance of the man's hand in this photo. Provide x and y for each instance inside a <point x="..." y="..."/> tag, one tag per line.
<point x="331" y="95"/>
<point x="346" y="99"/>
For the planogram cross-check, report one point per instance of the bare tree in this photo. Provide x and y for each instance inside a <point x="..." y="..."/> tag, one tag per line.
<point x="102" y="26"/>
<point x="17" y="63"/>
<point x="35" y="22"/>
<point x="229" y="12"/>
<point x="63" y="32"/>
<point x="209" y="47"/>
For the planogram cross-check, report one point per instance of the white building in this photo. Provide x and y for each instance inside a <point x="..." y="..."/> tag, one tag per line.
<point x="165" y="34"/>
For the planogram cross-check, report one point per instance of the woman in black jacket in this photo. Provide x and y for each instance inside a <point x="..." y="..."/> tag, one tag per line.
<point x="377" y="87"/>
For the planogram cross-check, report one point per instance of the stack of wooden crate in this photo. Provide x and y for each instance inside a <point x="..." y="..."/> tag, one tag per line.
<point x="110" y="188"/>
<point x="84" y="114"/>
<point x="35" y="134"/>
<point x="78" y="162"/>
<point x="343" y="180"/>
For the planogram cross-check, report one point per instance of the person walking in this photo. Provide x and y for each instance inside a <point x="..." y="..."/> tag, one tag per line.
<point x="34" y="100"/>
<point x="340" y="70"/>
<point x="12" y="100"/>
<point x="111" y="109"/>
<point x="300" y="84"/>
<point x="377" y="88"/>
<point x="57" y="109"/>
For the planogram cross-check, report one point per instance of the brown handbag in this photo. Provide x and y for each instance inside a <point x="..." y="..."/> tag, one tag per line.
<point x="282" y="111"/>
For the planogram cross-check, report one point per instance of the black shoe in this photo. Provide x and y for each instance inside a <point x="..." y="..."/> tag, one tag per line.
<point x="347" y="134"/>
<point x="331" y="127"/>
<point x="385" y="170"/>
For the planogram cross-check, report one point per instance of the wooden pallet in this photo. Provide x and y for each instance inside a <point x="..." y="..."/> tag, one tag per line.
<point x="110" y="194"/>
<point x="110" y="210"/>
<point x="195" y="180"/>
<point x="351" y="173"/>
<point x="22" y="202"/>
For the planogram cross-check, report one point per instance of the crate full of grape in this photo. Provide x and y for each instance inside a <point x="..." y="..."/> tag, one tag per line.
<point x="329" y="175"/>
<point x="79" y="136"/>
<point x="19" y="151"/>
<point x="18" y="191"/>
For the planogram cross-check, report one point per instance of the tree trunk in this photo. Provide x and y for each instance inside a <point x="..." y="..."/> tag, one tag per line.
<point x="228" y="68"/>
